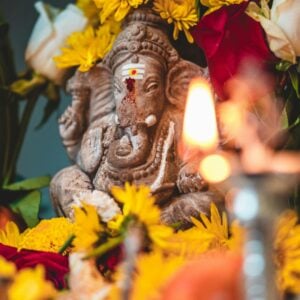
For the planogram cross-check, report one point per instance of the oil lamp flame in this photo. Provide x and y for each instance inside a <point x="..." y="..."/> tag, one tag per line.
<point x="200" y="126"/>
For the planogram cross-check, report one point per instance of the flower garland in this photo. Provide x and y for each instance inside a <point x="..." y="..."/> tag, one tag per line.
<point x="170" y="251"/>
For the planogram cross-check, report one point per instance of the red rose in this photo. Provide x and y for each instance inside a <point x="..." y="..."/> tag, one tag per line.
<point x="229" y="37"/>
<point x="56" y="265"/>
<point x="110" y="260"/>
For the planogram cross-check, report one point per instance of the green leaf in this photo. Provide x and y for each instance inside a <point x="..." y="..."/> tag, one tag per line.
<point x="284" y="119"/>
<point x="28" y="207"/>
<point x="51" y="92"/>
<point x="30" y="184"/>
<point x="294" y="137"/>
<point x="107" y="246"/>
<point x="296" y="123"/>
<point x="294" y="76"/>
<point x="283" y="66"/>
<point x="67" y="244"/>
<point x="198" y="8"/>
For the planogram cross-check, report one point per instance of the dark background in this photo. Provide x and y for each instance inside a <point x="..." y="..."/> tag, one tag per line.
<point x="42" y="153"/>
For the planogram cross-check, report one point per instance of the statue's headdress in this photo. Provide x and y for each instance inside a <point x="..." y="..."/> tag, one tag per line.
<point x="144" y="32"/>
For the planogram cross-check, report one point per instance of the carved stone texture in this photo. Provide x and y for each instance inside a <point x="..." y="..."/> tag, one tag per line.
<point x="125" y="123"/>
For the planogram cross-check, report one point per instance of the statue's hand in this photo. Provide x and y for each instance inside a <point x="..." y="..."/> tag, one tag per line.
<point x="189" y="180"/>
<point x="71" y="124"/>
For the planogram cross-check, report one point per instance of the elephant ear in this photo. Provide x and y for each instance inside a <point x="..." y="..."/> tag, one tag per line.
<point x="101" y="87"/>
<point x="178" y="81"/>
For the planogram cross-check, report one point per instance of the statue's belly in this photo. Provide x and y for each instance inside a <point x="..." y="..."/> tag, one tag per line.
<point x="159" y="172"/>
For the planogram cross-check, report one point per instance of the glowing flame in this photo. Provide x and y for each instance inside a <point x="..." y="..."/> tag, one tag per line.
<point x="215" y="168"/>
<point x="200" y="126"/>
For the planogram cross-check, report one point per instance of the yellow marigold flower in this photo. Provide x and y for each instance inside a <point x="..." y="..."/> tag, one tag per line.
<point x="147" y="280"/>
<point x="216" y="4"/>
<point x="139" y="204"/>
<point x="287" y="252"/>
<point x="87" y="227"/>
<point x="84" y="49"/>
<point x="10" y="236"/>
<point x="182" y="13"/>
<point x="118" y="8"/>
<point x="49" y="235"/>
<point x="7" y="268"/>
<point x="30" y="284"/>
<point x="90" y="10"/>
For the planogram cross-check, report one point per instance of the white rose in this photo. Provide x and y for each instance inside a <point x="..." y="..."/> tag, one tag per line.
<point x="48" y="36"/>
<point x="282" y="26"/>
<point x="286" y="14"/>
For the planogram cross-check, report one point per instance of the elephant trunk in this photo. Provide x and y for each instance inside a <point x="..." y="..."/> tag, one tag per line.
<point x="131" y="150"/>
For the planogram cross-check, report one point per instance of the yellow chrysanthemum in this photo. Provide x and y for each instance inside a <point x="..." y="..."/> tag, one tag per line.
<point x="116" y="8"/>
<point x="139" y="204"/>
<point x="216" y="4"/>
<point x="189" y="243"/>
<point x="208" y="234"/>
<point x="30" y="284"/>
<point x="87" y="227"/>
<point x="7" y="269"/>
<point x="182" y="13"/>
<point x="147" y="280"/>
<point x="84" y="49"/>
<point x="10" y="235"/>
<point x="287" y="252"/>
<point x="49" y="235"/>
<point x="90" y="10"/>
<point x="216" y="226"/>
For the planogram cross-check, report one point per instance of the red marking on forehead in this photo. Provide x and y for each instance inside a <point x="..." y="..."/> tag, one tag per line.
<point x="130" y="84"/>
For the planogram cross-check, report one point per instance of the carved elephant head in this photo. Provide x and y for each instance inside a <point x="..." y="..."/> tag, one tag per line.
<point x="138" y="83"/>
<point x="126" y="116"/>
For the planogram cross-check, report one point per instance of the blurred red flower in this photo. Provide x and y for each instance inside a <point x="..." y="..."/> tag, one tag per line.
<point x="229" y="37"/>
<point x="56" y="265"/>
<point x="110" y="260"/>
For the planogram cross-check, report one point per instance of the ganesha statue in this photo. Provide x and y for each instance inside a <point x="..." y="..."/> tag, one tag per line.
<point x="125" y="124"/>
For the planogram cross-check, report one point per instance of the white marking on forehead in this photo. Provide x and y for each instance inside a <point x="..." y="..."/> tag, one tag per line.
<point x="134" y="71"/>
<point x="135" y="66"/>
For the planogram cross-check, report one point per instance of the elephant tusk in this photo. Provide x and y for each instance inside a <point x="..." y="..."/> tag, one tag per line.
<point x="117" y="119"/>
<point x="158" y="183"/>
<point x="151" y="120"/>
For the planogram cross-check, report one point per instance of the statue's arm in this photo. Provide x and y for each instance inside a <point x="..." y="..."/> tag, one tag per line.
<point x="73" y="122"/>
<point x="97" y="137"/>
<point x="189" y="180"/>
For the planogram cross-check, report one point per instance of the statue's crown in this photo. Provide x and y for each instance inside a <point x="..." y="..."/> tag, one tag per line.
<point x="144" y="32"/>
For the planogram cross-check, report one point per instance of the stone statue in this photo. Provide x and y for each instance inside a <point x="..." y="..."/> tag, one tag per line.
<point x="125" y="123"/>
